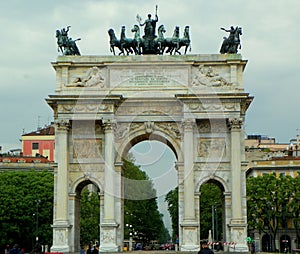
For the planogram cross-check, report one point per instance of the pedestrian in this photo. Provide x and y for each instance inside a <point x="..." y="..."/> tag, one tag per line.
<point x="204" y="249"/>
<point x="89" y="250"/>
<point x="96" y="249"/>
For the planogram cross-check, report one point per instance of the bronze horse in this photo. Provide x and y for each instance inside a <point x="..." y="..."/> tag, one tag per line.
<point x="231" y="44"/>
<point x="114" y="42"/>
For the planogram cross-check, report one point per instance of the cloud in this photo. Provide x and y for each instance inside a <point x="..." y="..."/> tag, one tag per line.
<point x="269" y="41"/>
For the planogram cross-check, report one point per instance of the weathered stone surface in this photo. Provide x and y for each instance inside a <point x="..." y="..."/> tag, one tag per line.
<point x="103" y="105"/>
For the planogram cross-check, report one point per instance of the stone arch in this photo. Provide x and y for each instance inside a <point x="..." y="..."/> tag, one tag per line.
<point x="78" y="184"/>
<point x="137" y="137"/>
<point x="166" y="100"/>
<point x="76" y="188"/>
<point x="219" y="181"/>
<point x="221" y="184"/>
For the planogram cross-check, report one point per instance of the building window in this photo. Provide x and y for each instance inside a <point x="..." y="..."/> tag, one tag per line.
<point x="35" y="146"/>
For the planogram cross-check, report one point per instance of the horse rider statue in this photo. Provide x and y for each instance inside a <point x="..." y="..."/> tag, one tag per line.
<point x="65" y="44"/>
<point x="230" y="44"/>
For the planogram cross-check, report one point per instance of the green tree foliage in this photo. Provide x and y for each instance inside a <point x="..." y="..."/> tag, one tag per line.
<point x="210" y="202"/>
<point x="89" y="217"/>
<point x="272" y="201"/>
<point x="172" y="201"/>
<point x="140" y="206"/>
<point x="24" y="196"/>
<point x="294" y="205"/>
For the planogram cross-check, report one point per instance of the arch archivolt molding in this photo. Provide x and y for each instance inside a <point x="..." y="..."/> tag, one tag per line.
<point x="169" y="133"/>
<point x="217" y="176"/>
<point x="86" y="176"/>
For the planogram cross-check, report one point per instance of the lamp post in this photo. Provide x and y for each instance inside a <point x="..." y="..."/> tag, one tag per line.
<point x="213" y="223"/>
<point x="216" y="217"/>
<point x="269" y="221"/>
<point x="284" y="224"/>
<point x="37" y="220"/>
<point x="130" y="236"/>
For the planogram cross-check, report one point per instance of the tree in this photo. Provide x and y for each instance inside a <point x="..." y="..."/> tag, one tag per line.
<point x="140" y="205"/>
<point x="172" y="200"/>
<point x="211" y="210"/>
<point x="89" y="217"/>
<point x="26" y="207"/>
<point x="295" y="206"/>
<point x="271" y="201"/>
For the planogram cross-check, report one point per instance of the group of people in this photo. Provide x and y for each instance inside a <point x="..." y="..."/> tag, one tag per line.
<point x="14" y="250"/>
<point x="93" y="249"/>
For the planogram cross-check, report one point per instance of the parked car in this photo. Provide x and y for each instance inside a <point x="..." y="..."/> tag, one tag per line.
<point x="167" y="246"/>
<point x="138" y="246"/>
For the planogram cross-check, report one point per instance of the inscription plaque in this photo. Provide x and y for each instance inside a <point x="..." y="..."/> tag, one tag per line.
<point x="149" y="76"/>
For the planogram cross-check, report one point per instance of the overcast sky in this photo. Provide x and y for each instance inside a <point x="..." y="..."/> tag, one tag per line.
<point x="270" y="43"/>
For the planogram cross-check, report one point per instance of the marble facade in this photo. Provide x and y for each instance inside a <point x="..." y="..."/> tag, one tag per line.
<point x="103" y="105"/>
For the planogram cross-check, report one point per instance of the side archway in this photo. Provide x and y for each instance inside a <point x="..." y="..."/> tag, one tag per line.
<point x="77" y="211"/>
<point x="212" y="212"/>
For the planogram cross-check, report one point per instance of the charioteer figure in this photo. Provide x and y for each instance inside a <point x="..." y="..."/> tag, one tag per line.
<point x="66" y="45"/>
<point x="231" y="44"/>
<point x="149" y="30"/>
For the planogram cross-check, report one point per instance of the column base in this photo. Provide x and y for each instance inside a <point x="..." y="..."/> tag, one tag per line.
<point x="109" y="248"/>
<point x="238" y="235"/>
<point x="240" y="248"/>
<point x="60" y="248"/>
<point x="108" y="238"/>
<point x="189" y="248"/>
<point x="60" y="236"/>
<point x="189" y="236"/>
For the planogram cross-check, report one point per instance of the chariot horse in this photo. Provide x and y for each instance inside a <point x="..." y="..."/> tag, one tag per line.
<point x="232" y="43"/>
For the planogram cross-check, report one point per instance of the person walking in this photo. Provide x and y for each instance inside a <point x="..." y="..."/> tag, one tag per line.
<point x="204" y="249"/>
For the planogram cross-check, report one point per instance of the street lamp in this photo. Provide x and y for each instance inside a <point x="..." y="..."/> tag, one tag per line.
<point x="216" y="217"/>
<point x="130" y="236"/>
<point x="213" y="223"/>
<point x="37" y="220"/>
<point x="269" y="226"/>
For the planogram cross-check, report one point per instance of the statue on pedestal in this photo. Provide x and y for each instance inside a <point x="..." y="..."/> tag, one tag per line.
<point x="150" y="46"/>
<point x="66" y="45"/>
<point x="231" y="44"/>
<point x="150" y="43"/>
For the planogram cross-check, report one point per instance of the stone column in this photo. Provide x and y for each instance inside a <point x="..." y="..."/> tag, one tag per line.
<point x="61" y="223"/>
<point x="108" y="241"/>
<point x="235" y="129"/>
<point x="188" y="151"/>
<point x="189" y="225"/>
<point x="238" y="226"/>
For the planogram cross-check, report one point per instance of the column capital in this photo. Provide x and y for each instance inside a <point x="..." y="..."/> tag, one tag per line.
<point x="62" y="124"/>
<point x="188" y="124"/>
<point x="235" y="123"/>
<point x="109" y="125"/>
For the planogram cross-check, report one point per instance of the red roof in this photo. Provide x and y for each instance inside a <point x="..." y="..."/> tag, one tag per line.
<point x="49" y="130"/>
<point x="23" y="159"/>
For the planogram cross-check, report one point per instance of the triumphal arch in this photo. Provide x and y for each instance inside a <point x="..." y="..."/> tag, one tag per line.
<point x="103" y="105"/>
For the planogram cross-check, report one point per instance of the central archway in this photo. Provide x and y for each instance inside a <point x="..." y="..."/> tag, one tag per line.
<point x="152" y="150"/>
<point x="157" y="161"/>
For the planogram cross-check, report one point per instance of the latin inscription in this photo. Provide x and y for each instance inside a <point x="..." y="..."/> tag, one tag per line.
<point x="149" y="77"/>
